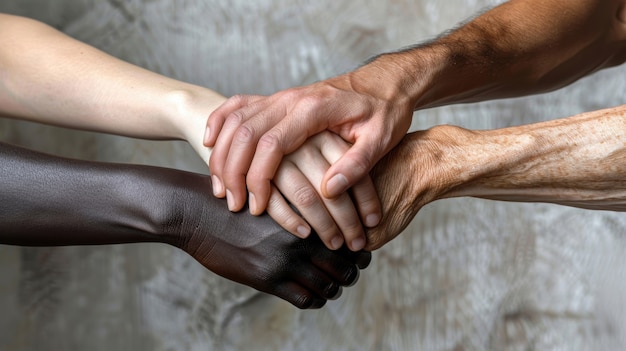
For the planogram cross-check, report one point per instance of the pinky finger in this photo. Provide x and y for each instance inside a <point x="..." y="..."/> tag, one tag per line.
<point x="217" y="118"/>
<point x="283" y="214"/>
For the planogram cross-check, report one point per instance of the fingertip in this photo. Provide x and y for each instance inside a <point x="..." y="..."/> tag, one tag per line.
<point x="259" y="197"/>
<point x="338" y="294"/>
<point x="336" y="242"/>
<point x="303" y="231"/>
<point x="335" y="186"/>
<point x="352" y="277"/>
<point x="252" y="206"/>
<point x="363" y="259"/>
<point x="218" y="186"/>
<point x="357" y="244"/>
<point x="233" y="204"/>
<point x="372" y="220"/>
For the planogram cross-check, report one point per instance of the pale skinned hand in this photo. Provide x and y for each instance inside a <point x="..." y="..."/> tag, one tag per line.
<point x="251" y="134"/>
<point x="406" y="179"/>
<point x="297" y="184"/>
<point x="299" y="179"/>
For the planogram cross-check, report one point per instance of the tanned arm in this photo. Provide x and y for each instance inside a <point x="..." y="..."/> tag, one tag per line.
<point x="518" y="48"/>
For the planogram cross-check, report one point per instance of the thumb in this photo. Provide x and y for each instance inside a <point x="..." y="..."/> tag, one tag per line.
<point x="353" y="166"/>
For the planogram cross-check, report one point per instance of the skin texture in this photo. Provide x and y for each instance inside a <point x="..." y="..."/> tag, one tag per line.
<point x="48" y="77"/>
<point x="578" y="161"/>
<point x="521" y="47"/>
<point x="48" y="201"/>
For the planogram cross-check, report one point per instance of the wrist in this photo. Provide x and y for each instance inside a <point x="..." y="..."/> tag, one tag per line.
<point x="383" y="77"/>
<point x="187" y="112"/>
<point x="454" y="161"/>
<point x="413" y="74"/>
<point x="171" y="206"/>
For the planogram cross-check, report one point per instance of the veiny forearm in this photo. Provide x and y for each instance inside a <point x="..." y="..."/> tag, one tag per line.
<point x="518" y="48"/>
<point x="578" y="161"/>
<point x="49" y="77"/>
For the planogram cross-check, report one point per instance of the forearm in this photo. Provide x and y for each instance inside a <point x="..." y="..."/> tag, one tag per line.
<point x="521" y="47"/>
<point x="47" y="200"/>
<point x="51" y="78"/>
<point x="578" y="161"/>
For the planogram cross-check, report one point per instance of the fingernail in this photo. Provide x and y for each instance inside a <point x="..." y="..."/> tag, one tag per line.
<point x="230" y="200"/>
<point x="303" y="231"/>
<point x="218" y="187"/>
<point x="252" y="203"/>
<point x="337" y="185"/>
<point x="207" y="134"/>
<point x="358" y="244"/>
<point x="372" y="220"/>
<point x="336" y="242"/>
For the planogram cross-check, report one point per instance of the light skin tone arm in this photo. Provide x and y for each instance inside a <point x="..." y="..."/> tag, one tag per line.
<point x="50" y="201"/>
<point x="521" y="47"/>
<point x="578" y="161"/>
<point x="48" y="77"/>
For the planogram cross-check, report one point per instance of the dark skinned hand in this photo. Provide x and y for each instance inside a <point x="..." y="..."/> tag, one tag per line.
<point x="49" y="201"/>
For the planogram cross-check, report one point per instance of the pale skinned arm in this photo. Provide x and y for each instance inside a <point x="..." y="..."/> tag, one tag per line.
<point x="578" y="161"/>
<point x="48" y="77"/>
<point x="521" y="47"/>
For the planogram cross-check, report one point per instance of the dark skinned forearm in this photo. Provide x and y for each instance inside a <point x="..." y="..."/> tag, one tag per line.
<point x="47" y="201"/>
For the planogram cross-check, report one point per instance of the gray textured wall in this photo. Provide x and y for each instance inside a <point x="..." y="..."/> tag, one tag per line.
<point x="466" y="275"/>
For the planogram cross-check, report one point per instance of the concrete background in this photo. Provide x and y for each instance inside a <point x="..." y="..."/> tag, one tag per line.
<point x="466" y="275"/>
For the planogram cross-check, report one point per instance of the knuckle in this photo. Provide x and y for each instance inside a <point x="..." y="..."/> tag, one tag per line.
<point x="235" y="117"/>
<point x="244" y="135"/>
<point x="289" y="95"/>
<point x="305" y="197"/>
<point x="308" y="103"/>
<point x="269" y="141"/>
<point x="237" y="99"/>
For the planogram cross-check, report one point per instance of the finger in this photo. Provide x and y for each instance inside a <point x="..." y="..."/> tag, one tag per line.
<point x="364" y="192"/>
<point x="319" y="283"/>
<point x="341" y="208"/>
<point x="361" y="258"/>
<point x="298" y="296"/>
<point x="244" y="147"/>
<point x="220" y="154"/>
<point x="351" y="167"/>
<point x="337" y="266"/>
<point x="297" y="189"/>
<point x="282" y="213"/>
<point x="217" y="118"/>
<point x="282" y="136"/>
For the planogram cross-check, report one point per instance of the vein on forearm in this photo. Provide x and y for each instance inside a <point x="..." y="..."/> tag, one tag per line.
<point x="577" y="161"/>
